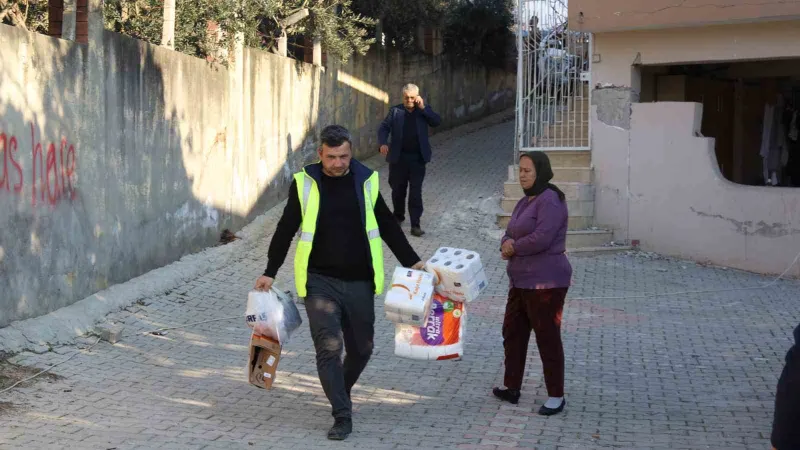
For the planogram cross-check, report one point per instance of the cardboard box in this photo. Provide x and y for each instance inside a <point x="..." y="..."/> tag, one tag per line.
<point x="265" y="353"/>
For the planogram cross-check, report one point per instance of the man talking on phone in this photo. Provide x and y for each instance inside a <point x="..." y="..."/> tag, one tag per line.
<point x="408" y="153"/>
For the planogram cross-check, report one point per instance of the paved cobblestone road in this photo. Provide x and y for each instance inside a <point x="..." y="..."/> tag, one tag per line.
<point x="682" y="371"/>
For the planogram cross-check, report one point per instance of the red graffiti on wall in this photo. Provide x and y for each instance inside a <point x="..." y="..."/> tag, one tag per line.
<point x="52" y="172"/>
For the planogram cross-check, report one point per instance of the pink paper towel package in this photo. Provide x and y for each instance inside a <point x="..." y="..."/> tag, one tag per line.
<point x="428" y="325"/>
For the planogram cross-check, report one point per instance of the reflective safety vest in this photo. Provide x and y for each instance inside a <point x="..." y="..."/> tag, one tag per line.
<point x="308" y="194"/>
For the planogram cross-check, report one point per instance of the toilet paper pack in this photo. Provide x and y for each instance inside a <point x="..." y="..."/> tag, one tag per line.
<point x="408" y="300"/>
<point x="441" y="337"/>
<point x="469" y="292"/>
<point x="459" y="273"/>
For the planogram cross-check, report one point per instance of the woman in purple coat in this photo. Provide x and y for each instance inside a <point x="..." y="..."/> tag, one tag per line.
<point x="539" y="276"/>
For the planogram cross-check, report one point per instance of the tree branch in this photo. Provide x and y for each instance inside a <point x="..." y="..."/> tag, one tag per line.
<point x="12" y="11"/>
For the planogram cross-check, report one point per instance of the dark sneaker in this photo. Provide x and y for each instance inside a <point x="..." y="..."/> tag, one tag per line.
<point x="509" y="395"/>
<point x="400" y="219"/>
<point x="340" y="429"/>
<point x="417" y="231"/>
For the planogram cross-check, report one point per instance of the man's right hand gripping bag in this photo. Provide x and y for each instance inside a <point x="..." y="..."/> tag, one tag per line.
<point x="273" y="317"/>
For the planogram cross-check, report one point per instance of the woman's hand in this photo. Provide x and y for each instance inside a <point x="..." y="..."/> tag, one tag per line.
<point x="507" y="249"/>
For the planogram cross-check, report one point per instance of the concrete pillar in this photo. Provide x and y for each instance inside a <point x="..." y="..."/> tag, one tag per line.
<point x="283" y="46"/>
<point x="94" y="19"/>
<point x="69" y="20"/>
<point x="168" y="27"/>
<point x="316" y="58"/>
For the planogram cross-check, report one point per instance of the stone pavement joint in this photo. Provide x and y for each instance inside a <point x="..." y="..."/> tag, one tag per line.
<point x="684" y="371"/>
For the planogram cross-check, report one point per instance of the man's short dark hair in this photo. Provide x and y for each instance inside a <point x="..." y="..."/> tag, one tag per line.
<point x="334" y="136"/>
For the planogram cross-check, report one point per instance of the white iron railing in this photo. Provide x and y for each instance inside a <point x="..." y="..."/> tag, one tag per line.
<point x="553" y="79"/>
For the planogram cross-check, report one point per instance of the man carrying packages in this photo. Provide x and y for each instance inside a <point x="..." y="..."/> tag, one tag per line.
<point x="338" y="264"/>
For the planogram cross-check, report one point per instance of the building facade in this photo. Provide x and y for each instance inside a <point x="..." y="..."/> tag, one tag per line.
<point x="694" y="130"/>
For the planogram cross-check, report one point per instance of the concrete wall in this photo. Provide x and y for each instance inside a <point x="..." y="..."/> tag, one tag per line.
<point x="117" y="157"/>
<point x="659" y="183"/>
<point x="619" y="52"/>
<point x="616" y="15"/>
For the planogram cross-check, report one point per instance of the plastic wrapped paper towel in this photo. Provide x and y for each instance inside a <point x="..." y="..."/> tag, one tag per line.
<point x="440" y="338"/>
<point x="408" y="300"/>
<point x="272" y="314"/>
<point x="459" y="274"/>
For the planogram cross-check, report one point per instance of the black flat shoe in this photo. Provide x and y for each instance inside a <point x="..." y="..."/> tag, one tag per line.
<point x="545" y="411"/>
<point x="508" y="395"/>
<point x="340" y="430"/>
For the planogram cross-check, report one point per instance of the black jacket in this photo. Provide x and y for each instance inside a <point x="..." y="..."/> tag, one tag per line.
<point x="786" y="424"/>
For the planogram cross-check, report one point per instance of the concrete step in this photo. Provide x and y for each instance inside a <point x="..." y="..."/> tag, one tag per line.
<point x="570" y="158"/>
<point x="593" y="251"/>
<point x="578" y="239"/>
<point x="560" y="158"/>
<point x="579" y="103"/>
<point x="588" y="238"/>
<point x="573" y="117"/>
<point x="574" y="222"/>
<point x="566" y="131"/>
<point x="572" y="108"/>
<point x="576" y="208"/>
<point x="572" y="175"/>
<point x="573" y="191"/>
<point x="561" y="142"/>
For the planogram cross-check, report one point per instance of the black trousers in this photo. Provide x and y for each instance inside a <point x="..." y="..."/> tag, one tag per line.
<point x="785" y="431"/>
<point x="407" y="175"/>
<point x="341" y="314"/>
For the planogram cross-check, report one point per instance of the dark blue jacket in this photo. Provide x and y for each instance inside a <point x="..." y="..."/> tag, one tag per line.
<point x="393" y="124"/>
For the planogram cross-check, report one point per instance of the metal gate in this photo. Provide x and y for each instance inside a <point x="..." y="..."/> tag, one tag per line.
<point x="553" y="79"/>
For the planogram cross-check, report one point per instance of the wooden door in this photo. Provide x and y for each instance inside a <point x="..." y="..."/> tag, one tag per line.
<point x="718" y="98"/>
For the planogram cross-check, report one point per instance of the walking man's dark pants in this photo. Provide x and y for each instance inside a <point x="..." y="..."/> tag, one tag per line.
<point x="341" y="315"/>
<point x="407" y="175"/>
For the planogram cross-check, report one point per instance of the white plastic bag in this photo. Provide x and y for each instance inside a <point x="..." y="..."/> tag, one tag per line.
<point x="272" y="314"/>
